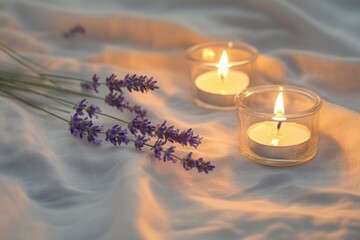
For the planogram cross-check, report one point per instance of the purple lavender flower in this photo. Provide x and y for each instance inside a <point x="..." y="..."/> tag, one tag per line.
<point x="80" y="127"/>
<point x="157" y="148"/>
<point x="141" y="124"/>
<point x="187" y="137"/>
<point x="140" y="142"/>
<point x="74" y="30"/>
<point x="92" y="110"/>
<point x="87" y="86"/>
<point x="80" y="107"/>
<point x="160" y="130"/>
<point x="195" y="141"/>
<point x="150" y="84"/>
<point x="91" y="86"/>
<point x="168" y="154"/>
<point x="138" y="110"/>
<point x="117" y="100"/>
<point x="75" y="124"/>
<point x="203" y="166"/>
<point x="200" y="164"/>
<point x="163" y="132"/>
<point x="139" y="83"/>
<point x="188" y="163"/>
<point x="117" y="135"/>
<point x="131" y="82"/>
<point x="95" y="83"/>
<point x="171" y="134"/>
<point x="111" y="83"/>
<point x="92" y="134"/>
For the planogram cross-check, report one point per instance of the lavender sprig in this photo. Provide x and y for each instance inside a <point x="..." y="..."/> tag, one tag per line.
<point x="140" y="142"/>
<point x="117" y="135"/>
<point x="131" y="83"/>
<point x="143" y="131"/>
<point x="80" y="127"/>
<point x="200" y="164"/>
<point x="138" y="83"/>
<point x="115" y="97"/>
<point x="141" y="124"/>
<point x="173" y="135"/>
<point x="170" y="133"/>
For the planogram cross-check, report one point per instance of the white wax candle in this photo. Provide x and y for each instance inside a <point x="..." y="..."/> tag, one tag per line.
<point x="290" y="141"/>
<point x="212" y="90"/>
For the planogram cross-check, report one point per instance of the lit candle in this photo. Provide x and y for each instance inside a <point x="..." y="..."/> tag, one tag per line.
<point x="279" y="139"/>
<point x="220" y="87"/>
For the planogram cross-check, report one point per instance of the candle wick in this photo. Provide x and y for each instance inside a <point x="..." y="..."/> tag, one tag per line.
<point x="222" y="77"/>
<point x="279" y="125"/>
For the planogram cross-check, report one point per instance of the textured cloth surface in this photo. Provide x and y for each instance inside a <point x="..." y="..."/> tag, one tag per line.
<point x="53" y="186"/>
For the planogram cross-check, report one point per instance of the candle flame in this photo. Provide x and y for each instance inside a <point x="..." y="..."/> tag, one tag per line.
<point x="279" y="110"/>
<point x="223" y="66"/>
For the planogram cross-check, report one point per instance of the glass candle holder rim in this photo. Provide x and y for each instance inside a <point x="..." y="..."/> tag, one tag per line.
<point x="299" y="90"/>
<point x="226" y="45"/>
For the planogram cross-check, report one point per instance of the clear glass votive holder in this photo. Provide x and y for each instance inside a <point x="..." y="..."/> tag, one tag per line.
<point x="278" y="125"/>
<point x="219" y="70"/>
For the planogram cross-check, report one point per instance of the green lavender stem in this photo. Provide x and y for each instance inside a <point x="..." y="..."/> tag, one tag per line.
<point x="33" y="105"/>
<point x="57" y="89"/>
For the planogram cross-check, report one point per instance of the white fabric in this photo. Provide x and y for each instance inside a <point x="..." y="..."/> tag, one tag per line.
<point x="54" y="186"/>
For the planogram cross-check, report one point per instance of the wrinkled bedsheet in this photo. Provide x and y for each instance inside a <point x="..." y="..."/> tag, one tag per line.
<point x="54" y="186"/>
